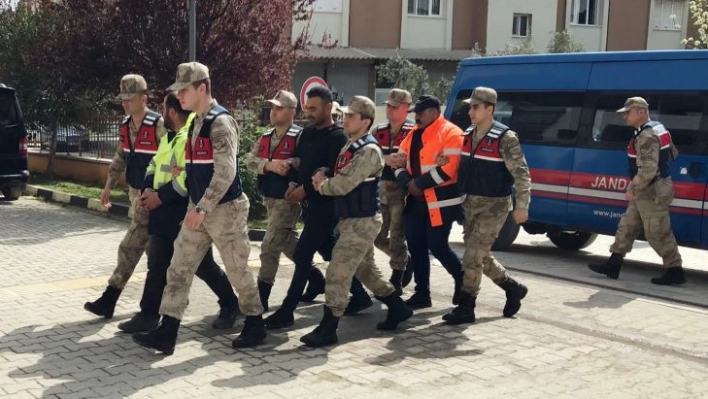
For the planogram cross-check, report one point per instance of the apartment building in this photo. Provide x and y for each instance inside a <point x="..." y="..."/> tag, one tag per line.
<point x="439" y="33"/>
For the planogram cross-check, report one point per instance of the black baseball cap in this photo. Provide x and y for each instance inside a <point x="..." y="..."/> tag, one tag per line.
<point x="424" y="102"/>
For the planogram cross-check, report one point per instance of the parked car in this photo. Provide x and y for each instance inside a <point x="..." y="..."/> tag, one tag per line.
<point x="69" y="138"/>
<point x="13" y="145"/>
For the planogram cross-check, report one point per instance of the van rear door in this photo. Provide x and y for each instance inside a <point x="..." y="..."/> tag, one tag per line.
<point x="13" y="158"/>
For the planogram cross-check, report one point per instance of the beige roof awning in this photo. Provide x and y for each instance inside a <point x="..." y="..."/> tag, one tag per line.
<point x="354" y="53"/>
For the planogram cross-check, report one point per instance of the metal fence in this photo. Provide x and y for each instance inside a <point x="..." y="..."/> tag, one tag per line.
<point x="95" y="138"/>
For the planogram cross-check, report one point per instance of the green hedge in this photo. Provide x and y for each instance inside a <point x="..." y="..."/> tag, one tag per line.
<point x="250" y="133"/>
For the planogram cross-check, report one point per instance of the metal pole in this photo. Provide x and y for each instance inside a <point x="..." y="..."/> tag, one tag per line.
<point x="192" y="30"/>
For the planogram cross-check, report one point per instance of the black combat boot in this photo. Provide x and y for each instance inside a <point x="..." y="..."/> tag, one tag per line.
<point x="163" y="339"/>
<point x="324" y="334"/>
<point x="458" y="289"/>
<point x="515" y="292"/>
<point x="397" y="281"/>
<point x="357" y="304"/>
<point x="419" y="301"/>
<point x="253" y="333"/>
<point x="672" y="275"/>
<point x="464" y="312"/>
<point x="264" y="292"/>
<point x="281" y="318"/>
<point x="397" y="312"/>
<point x="106" y="304"/>
<point x="141" y="322"/>
<point x="407" y="274"/>
<point x="360" y="299"/>
<point x="226" y="318"/>
<point x="315" y="285"/>
<point x="611" y="268"/>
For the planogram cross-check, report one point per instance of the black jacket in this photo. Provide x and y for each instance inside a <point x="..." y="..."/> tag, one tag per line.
<point x="318" y="149"/>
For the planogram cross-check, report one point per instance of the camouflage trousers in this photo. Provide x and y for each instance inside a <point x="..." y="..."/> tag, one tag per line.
<point x="280" y="237"/>
<point x="392" y="236"/>
<point x="650" y="217"/>
<point x="353" y="255"/>
<point x="134" y="244"/>
<point x="484" y="218"/>
<point x="226" y="227"/>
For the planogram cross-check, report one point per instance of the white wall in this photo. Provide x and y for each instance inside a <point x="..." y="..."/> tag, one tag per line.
<point x="665" y="40"/>
<point x="592" y="37"/>
<point x="659" y="39"/>
<point x="428" y="32"/>
<point x="501" y="16"/>
<point x="329" y="16"/>
<point x="589" y="36"/>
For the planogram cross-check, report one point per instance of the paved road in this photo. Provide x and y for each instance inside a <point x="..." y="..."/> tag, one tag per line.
<point x="577" y="335"/>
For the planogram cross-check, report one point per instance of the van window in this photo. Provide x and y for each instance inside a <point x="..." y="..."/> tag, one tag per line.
<point x="8" y="108"/>
<point x="548" y="118"/>
<point x="681" y="113"/>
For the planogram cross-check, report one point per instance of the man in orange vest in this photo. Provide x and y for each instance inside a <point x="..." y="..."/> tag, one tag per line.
<point x="434" y="200"/>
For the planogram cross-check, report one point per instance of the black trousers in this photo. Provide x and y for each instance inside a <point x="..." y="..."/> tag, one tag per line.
<point x="159" y="257"/>
<point x="422" y="238"/>
<point x="318" y="235"/>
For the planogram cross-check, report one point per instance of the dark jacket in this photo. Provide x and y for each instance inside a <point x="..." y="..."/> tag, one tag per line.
<point x="318" y="149"/>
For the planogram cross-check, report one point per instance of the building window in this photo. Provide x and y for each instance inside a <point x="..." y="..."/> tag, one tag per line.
<point x="584" y="12"/>
<point x="424" y="7"/>
<point x="668" y="14"/>
<point x="522" y="25"/>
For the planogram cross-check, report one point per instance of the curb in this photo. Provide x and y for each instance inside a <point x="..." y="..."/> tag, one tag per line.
<point x="116" y="210"/>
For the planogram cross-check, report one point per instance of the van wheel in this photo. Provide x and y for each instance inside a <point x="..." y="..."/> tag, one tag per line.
<point x="507" y="235"/>
<point x="12" y="193"/>
<point x="571" y="240"/>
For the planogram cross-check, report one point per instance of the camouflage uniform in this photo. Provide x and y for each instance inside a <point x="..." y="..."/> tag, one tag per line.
<point x="281" y="236"/>
<point x="392" y="238"/>
<point x="225" y="225"/>
<point x="353" y="255"/>
<point x="485" y="216"/>
<point x="649" y="212"/>
<point x="135" y="241"/>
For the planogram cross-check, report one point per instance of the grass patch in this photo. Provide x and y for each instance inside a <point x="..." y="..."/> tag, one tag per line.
<point x="118" y="195"/>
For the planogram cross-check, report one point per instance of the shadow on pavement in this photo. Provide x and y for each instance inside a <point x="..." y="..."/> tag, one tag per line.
<point x="601" y="299"/>
<point x="435" y="341"/>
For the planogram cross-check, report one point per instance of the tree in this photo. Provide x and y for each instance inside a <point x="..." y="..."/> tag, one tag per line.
<point x="66" y="57"/>
<point x="247" y="44"/>
<point x="523" y="46"/>
<point x="39" y="55"/>
<point x="699" y="13"/>
<point x="403" y="73"/>
<point x="563" y="42"/>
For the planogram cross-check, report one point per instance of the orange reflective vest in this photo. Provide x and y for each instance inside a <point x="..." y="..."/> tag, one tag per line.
<point x="439" y="183"/>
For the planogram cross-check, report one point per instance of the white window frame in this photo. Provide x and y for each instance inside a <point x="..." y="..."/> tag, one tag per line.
<point x="575" y="6"/>
<point x="668" y="14"/>
<point x="516" y="25"/>
<point x="426" y="5"/>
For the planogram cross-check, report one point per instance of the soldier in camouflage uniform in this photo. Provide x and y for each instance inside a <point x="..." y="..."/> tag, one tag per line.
<point x="649" y="194"/>
<point x="141" y="132"/>
<point x="492" y="164"/>
<point x="272" y="159"/>
<point x="355" y="189"/>
<point x="217" y="213"/>
<point x="392" y="237"/>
